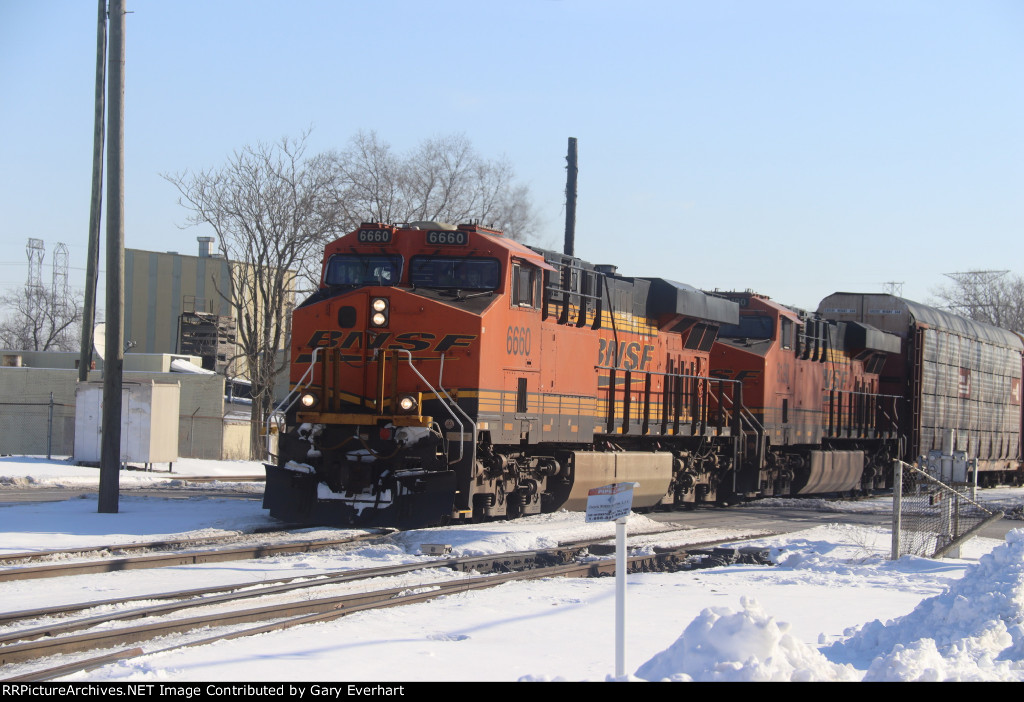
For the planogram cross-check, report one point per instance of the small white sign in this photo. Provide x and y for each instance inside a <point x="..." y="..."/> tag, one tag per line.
<point x="610" y="502"/>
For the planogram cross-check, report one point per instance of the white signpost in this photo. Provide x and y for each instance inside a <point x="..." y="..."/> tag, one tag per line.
<point x="612" y="503"/>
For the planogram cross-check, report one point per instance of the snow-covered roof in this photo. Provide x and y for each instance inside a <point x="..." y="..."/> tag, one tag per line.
<point x="182" y="366"/>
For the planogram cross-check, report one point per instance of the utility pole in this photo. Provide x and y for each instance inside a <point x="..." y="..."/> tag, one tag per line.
<point x="570" y="199"/>
<point x="113" y="363"/>
<point x="92" y="265"/>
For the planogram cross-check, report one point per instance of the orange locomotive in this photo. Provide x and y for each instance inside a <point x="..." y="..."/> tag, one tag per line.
<point x="815" y="421"/>
<point x="444" y="373"/>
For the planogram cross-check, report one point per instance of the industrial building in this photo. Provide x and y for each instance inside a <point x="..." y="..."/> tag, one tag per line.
<point x="176" y="313"/>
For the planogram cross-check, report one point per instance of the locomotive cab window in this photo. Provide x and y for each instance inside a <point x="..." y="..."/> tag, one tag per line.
<point x="701" y="336"/>
<point x="455" y="272"/>
<point x="524" y="286"/>
<point x="787" y="333"/>
<point x="363" y="269"/>
<point x="751" y="326"/>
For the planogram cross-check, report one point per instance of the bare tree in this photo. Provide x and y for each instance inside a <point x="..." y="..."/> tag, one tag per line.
<point x="368" y="176"/>
<point x="40" y="320"/>
<point x="993" y="297"/>
<point x="444" y="179"/>
<point x="271" y="207"/>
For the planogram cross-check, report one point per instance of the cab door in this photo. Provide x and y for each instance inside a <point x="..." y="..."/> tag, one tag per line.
<point x="522" y="403"/>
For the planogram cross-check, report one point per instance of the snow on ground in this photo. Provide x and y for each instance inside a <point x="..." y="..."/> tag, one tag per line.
<point x="39" y="525"/>
<point x="27" y="471"/>
<point x="832" y="608"/>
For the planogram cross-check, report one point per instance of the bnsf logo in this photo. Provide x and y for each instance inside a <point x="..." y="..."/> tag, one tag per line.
<point x="631" y="356"/>
<point x="410" y="341"/>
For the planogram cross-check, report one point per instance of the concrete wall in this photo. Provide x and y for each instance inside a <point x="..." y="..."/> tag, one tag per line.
<point x="25" y="394"/>
<point x="143" y="362"/>
<point x="25" y="414"/>
<point x="236" y="440"/>
<point x="151" y="362"/>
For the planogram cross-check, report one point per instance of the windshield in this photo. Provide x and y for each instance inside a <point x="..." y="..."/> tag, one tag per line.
<point x="752" y="326"/>
<point x="456" y="273"/>
<point x="363" y="269"/>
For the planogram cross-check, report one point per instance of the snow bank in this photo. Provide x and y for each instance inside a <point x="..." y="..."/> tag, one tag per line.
<point x="972" y="631"/>
<point x="721" y="645"/>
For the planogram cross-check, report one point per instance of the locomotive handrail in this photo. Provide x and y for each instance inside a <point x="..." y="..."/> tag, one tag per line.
<point x="860" y="410"/>
<point x="564" y="287"/>
<point x="295" y="398"/>
<point x="745" y="414"/>
<point x="440" y="384"/>
<point x="750" y="422"/>
<point x="426" y="382"/>
<point x="671" y="375"/>
<point x="697" y="417"/>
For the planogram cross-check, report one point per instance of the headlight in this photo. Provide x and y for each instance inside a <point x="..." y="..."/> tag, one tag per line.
<point x="407" y="404"/>
<point x="379" y="312"/>
<point x="308" y="399"/>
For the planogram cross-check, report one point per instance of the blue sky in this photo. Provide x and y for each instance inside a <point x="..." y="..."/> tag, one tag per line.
<point x="796" y="148"/>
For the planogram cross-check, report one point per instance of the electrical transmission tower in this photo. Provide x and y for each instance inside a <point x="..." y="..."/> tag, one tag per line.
<point x="979" y="296"/>
<point x="34" y="285"/>
<point x="35" y="251"/>
<point x="61" y="296"/>
<point x="973" y="279"/>
<point x="894" y="288"/>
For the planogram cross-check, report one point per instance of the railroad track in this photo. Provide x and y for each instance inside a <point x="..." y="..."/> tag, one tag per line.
<point x="514" y="561"/>
<point x="98" y="644"/>
<point x="181" y="552"/>
<point x="175" y="552"/>
<point x="218" y="478"/>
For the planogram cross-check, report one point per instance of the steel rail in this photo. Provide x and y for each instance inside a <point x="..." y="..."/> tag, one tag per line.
<point x="325" y="609"/>
<point x="190" y="599"/>
<point x="107" y="565"/>
<point x="492" y="563"/>
<point x="171" y="543"/>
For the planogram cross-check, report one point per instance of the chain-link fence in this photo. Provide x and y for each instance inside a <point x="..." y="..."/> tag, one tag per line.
<point x="41" y="426"/>
<point x="931" y="518"/>
<point x="37" y="426"/>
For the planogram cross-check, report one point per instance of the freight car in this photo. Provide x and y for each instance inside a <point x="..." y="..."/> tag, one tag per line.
<point x="955" y="375"/>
